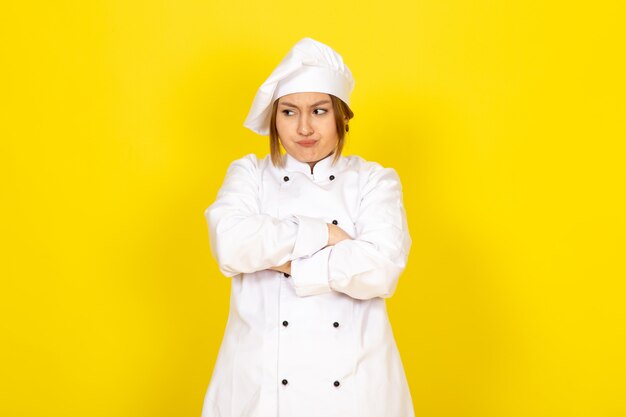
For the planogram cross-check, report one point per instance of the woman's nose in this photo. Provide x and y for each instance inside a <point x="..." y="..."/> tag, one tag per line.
<point x="304" y="126"/>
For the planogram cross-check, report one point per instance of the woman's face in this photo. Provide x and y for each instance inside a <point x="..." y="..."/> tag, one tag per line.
<point x="306" y="125"/>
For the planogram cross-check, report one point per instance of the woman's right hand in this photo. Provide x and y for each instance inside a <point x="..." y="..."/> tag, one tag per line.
<point x="336" y="234"/>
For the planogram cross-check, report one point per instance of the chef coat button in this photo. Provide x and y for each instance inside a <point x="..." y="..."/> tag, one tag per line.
<point x="284" y="382"/>
<point x="285" y="178"/>
<point x="336" y="383"/>
<point x="335" y="324"/>
<point x="286" y="275"/>
<point x="285" y="323"/>
<point x="335" y="222"/>
<point x="332" y="177"/>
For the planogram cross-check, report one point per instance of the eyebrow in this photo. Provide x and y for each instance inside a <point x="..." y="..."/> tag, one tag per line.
<point x="285" y="103"/>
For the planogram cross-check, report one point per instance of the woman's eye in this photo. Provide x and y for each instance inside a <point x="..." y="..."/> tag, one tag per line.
<point x="287" y="112"/>
<point x="320" y="111"/>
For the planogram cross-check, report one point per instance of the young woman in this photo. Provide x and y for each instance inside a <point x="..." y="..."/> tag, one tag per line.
<point x="313" y="242"/>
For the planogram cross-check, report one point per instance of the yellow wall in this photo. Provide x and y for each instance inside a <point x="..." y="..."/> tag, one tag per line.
<point x="505" y="120"/>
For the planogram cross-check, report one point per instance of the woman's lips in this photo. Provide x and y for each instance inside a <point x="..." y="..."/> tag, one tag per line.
<point x="307" y="143"/>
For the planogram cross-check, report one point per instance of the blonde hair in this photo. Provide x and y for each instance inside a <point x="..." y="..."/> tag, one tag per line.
<point x="343" y="114"/>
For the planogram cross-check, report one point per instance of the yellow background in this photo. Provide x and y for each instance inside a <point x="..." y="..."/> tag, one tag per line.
<point x="504" y="119"/>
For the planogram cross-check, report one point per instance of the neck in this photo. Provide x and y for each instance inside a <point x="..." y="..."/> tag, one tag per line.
<point x="312" y="164"/>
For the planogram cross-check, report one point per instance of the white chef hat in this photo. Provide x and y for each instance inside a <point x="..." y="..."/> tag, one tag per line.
<point x="310" y="66"/>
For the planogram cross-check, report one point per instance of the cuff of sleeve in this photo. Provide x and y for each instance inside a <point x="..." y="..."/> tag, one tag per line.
<point x="309" y="275"/>
<point x="312" y="236"/>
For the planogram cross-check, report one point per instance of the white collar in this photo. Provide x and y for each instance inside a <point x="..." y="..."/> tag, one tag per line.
<point x="323" y="169"/>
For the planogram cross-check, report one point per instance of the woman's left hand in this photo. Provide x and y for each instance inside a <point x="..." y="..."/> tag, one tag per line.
<point x="286" y="268"/>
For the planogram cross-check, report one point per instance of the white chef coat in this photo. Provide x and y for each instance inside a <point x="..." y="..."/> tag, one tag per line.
<point x="317" y="343"/>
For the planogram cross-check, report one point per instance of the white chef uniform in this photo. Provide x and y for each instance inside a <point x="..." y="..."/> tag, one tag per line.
<point x="317" y="343"/>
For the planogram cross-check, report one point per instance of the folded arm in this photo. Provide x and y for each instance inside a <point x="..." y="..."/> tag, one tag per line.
<point x="369" y="265"/>
<point x="243" y="240"/>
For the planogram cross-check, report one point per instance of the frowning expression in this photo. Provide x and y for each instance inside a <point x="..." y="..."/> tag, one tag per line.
<point x="306" y="125"/>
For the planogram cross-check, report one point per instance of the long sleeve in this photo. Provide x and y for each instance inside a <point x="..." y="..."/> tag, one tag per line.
<point x="243" y="240"/>
<point x="369" y="265"/>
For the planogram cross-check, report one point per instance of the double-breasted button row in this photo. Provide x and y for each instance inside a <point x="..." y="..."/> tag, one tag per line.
<point x="286" y="178"/>
<point x="336" y="383"/>
<point x="286" y="323"/>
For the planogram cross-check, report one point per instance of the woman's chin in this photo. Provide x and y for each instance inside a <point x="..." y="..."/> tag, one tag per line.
<point x="314" y="156"/>
<point x="307" y="157"/>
